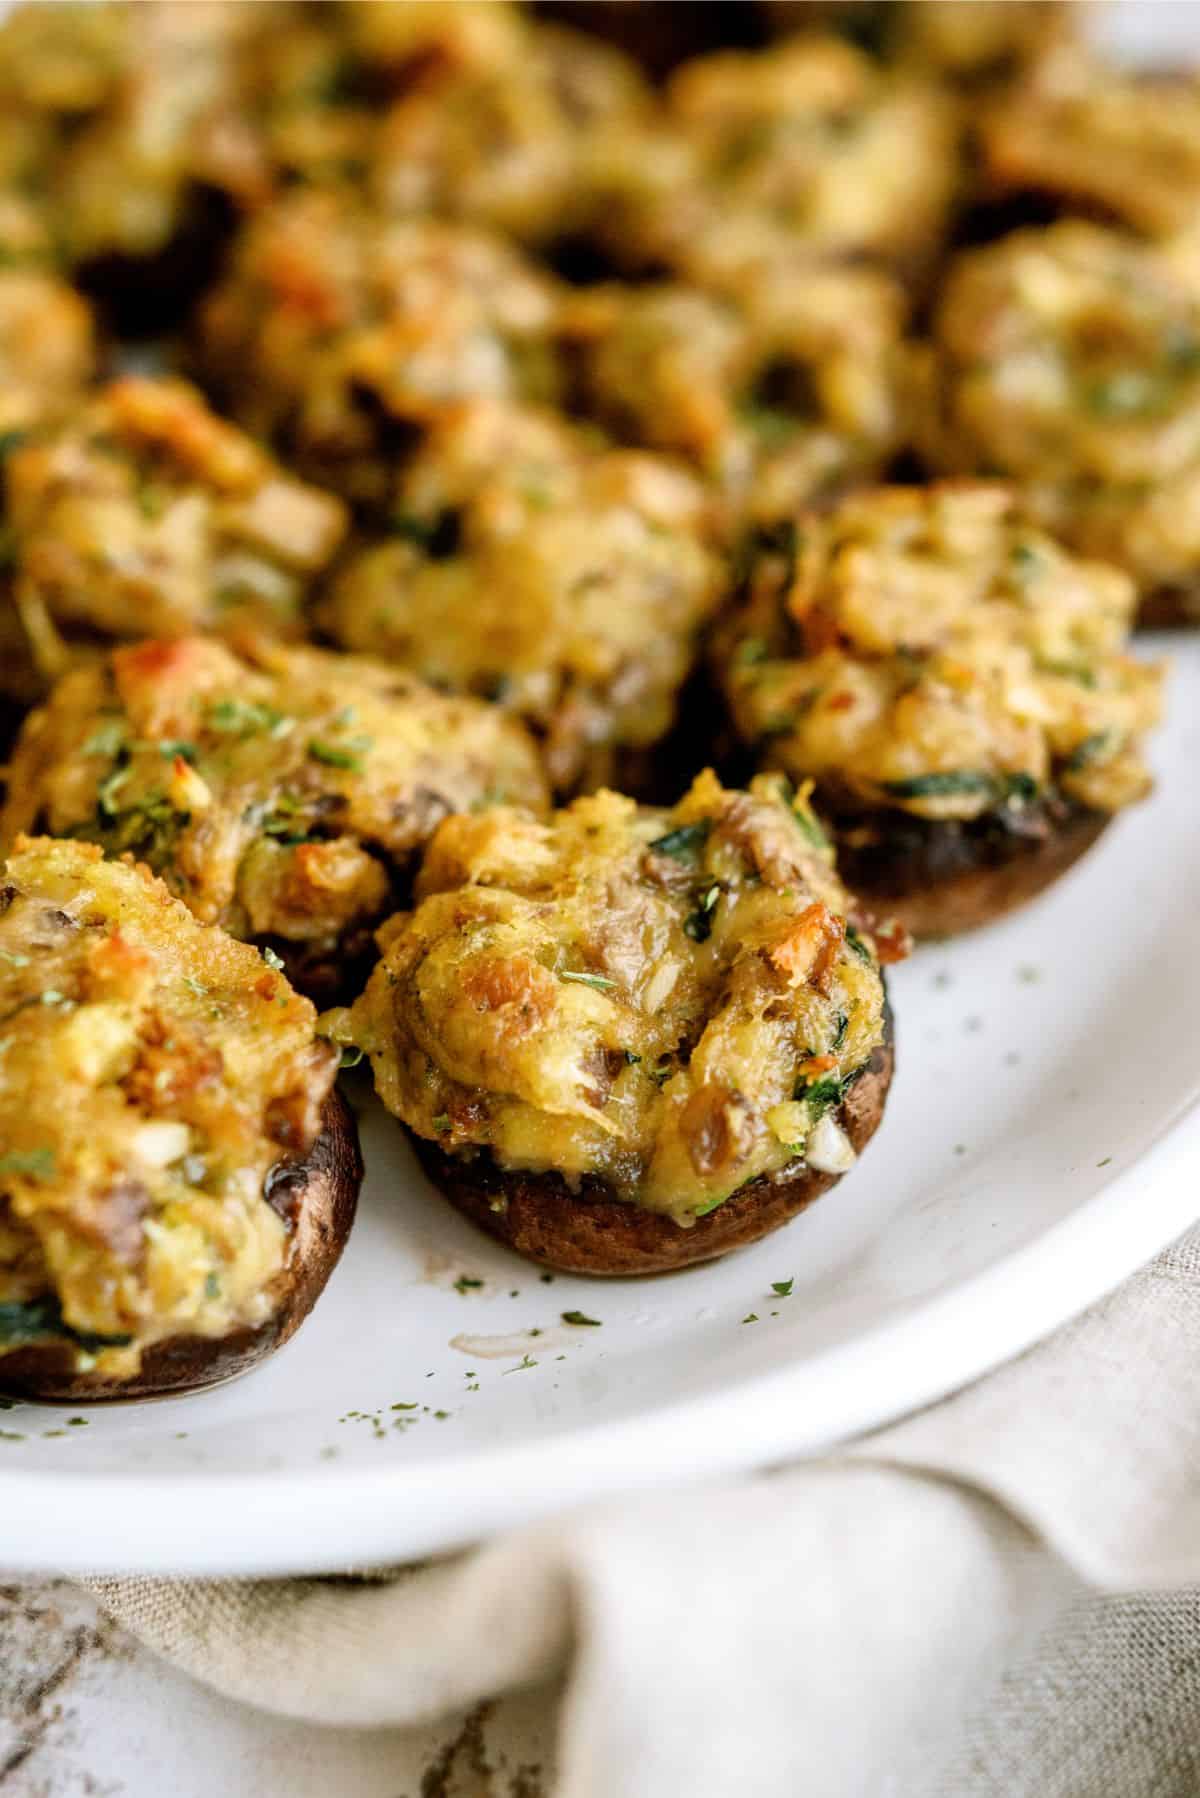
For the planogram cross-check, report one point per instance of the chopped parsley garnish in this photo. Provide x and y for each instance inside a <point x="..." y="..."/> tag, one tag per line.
<point x="751" y="1317"/>
<point x="579" y="1319"/>
<point x="106" y="792"/>
<point x="247" y="718"/>
<point x="750" y="651"/>
<point x="685" y="842"/>
<point x="771" y="424"/>
<point x="170" y="747"/>
<point x="959" y="782"/>
<point x="36" y="1318"/>
<point x="821" y="1095"/>
<point x="783" y="1287"/>
<point x="1092" y="749"/>
<point x="283" y="821"/>
<point x="272" y="959"/>
<point x="195" y="986"/>
<point x="601" y="982"/>
<point x="1122" y="394"/>
<point x="858" y="943"/>
<point x="34" y="1164"/>
<point x="527" y="1361"/>
<point x="809" y="827"/>
<point x="1021" y="787"/>
<point x="465" y="1283"/>
<point x="631" y="1059"/>
<point x="1026" y="559"/>
<point x="351" y="1056"/>
<point x="441" y="1123"/>
<point x="940" y="786"/>
<point x="698" y="925"/>
<point x="336" y="755"/>
<point x="212" y="1286"/>
<point x="106" y="739"/>
<point x="839" y="1035"/>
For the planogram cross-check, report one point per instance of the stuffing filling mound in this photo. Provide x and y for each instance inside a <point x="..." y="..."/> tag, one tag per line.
<point x="1067" y="359"/>
<point x="146" y="513"/>
<point x="152" y="1072"/>
<point x="928" y="650"/>
<point x="343" y="335"/>
<point x="673" y="1002"/>
<point x="509" y="142"/>
<point x="780" y="389"/>
<point x="277" y="790"/>
<point x="568" y="582"/>
<point x="47" y="341"/>
<point x="1105" y="140"/>
<point x="806" y="146"/>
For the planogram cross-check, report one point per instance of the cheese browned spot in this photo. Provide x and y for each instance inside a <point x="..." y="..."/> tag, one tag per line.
<point x="152" y="1072"/>
<point x="667" y="1000"/>
<point x="929" y="651"/>
<point x="278" y="790"/>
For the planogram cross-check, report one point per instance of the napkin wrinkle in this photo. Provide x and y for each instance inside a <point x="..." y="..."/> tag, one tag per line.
<point x="865" y="1625"/>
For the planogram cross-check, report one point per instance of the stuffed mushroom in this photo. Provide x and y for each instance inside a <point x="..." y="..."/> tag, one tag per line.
<point x="805" y="149"/>
<point x="343" y="335"/>
<point x="143" y="512"/>
<point x="178" y="1174"/>
<point x="1112" y="143"/>
<point x="565" y="581"/>
<point x="281" y="792"/>
<point x="1067" y="360"/>
<point x="955" y="685"/>
<point x="628" y="1039"/>
<point x="783" y="387"/>
<point x="508" y="143"/>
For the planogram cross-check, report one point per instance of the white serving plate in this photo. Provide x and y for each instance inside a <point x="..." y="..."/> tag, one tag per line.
<point x="1042" y="1141"/>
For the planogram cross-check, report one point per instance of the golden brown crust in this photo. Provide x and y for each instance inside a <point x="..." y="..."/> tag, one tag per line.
<point x="318" y="1195"/>
<point x="588" y="1233"/>
<point x="942" y="878"/>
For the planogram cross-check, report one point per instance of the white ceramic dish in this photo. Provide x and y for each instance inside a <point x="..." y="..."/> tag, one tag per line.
<point x="1041" y="1142"/>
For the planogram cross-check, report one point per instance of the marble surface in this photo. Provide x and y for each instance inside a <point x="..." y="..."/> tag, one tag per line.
<point x="86" y="1713"/>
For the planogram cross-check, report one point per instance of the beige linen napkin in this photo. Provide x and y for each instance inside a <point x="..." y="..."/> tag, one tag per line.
<point x="913" y="1616"/>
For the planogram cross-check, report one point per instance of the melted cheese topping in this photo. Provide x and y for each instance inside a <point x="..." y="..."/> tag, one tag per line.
<point x="929" y="650"/>
<point x="277" y="790"/>
<point x="1068" y="359"/>
<point x="669" y="1001"/>
<point x="152" y="1071"/>
<point x="567" y="582"/>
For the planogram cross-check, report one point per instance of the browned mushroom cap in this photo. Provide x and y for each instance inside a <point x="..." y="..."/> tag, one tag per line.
<point x="317" y="1195"/>
<point x="590" y="1232"/>
<point x="940" y="878"/>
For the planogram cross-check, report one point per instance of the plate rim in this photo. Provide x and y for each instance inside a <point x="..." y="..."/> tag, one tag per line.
<point x="338" y="1518"/>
